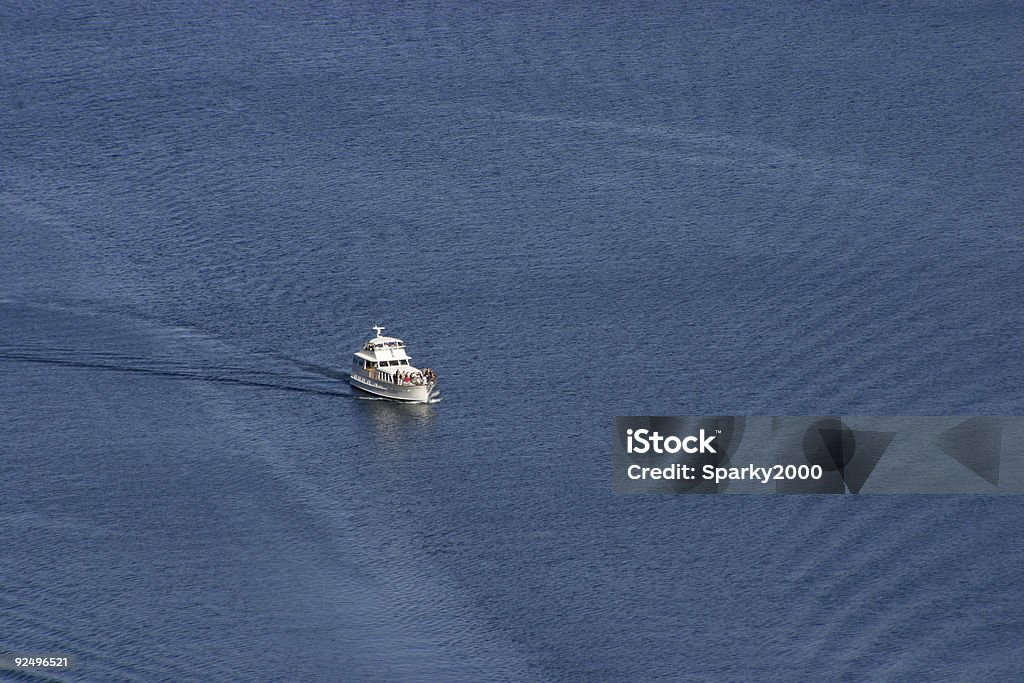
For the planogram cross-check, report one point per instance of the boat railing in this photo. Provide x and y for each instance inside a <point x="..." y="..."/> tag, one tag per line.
<point x="383" y="345"/>
<point x="417" y="379"/>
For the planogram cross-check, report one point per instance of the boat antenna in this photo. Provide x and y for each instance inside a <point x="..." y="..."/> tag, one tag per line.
<point x="378" y="329"/>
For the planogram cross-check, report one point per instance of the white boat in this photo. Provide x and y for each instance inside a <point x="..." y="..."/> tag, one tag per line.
<point x="383" y="368"/>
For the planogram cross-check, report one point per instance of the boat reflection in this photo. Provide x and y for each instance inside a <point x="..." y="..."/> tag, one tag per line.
<point x="393" y="422"/>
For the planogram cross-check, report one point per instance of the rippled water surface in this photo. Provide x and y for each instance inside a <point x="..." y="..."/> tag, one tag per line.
<point x="571" y="212"/>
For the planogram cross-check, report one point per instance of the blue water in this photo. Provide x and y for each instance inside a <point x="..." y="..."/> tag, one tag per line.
<point x="571" y="212"/>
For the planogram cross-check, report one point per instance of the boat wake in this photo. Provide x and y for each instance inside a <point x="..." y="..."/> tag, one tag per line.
<point x="278" y="379"/>
<point x="314" y="368"/>
<point x="59" y="337"/>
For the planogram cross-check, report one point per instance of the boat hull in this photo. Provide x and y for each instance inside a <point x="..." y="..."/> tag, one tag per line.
<point x="410" y="393"/>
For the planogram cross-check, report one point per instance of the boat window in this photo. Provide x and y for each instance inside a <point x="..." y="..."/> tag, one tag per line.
<point x="405" y="362"/>
<point x="369" y="364"/>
